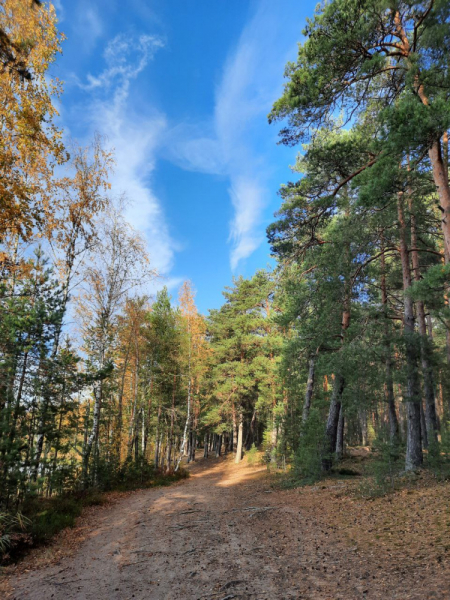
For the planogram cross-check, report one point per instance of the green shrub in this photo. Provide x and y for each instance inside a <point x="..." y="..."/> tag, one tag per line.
<point x="252" y="455"/>
<point x="384" y="470"/>
<point x="310" y="451"/>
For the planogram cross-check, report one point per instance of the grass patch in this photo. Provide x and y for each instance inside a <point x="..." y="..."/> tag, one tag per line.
<point x="48" y="516"/>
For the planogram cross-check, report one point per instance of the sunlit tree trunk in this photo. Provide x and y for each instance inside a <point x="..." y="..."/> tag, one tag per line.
<point x="235" y="429"/>
<point x="240" y="438"/>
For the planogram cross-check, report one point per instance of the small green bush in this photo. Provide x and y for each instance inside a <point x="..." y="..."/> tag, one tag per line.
<point x="252" y="455"/>
<point x="310" y="451"/>
<point x="384" y="470"/>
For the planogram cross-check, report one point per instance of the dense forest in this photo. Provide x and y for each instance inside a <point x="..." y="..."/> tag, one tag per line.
<point x="344" y="343"/>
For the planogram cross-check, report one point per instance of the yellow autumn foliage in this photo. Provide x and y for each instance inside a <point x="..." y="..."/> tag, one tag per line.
<point x="30" y="143"/>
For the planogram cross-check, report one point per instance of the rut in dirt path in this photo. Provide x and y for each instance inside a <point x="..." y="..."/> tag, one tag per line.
<point x="222" y="534"/>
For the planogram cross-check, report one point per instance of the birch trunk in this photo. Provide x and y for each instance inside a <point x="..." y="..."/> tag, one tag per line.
<point x="186" y="425"/>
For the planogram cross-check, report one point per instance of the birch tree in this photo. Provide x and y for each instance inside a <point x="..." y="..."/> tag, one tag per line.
<point x="119" y="264"/>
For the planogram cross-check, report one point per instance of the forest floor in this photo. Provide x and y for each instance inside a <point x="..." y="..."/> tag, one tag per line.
<point x="228" y="533"/>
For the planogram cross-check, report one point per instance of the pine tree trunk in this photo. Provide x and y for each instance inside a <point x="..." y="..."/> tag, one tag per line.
<point x="439" y="166"/>
<point x="394" y="429"/>
<point x="431" y="420"/>
<point x="394" y="432"/>
<point x="340" y="435"/>
<point x="338" y="389"/>
<point x="309" y="389"/>
<point x="249" y="440"/>
<point x="240" y="438"/>
<point x="423" y="427"/>
<point x="332" y="422"/>
<point x="425" y="347"/>
<point x="15" y="415"/>
<point x="440" y="176"/>
<point x="414" y="456"/>
<point x="189" y="450"/>
<point x="193" y="444"/>
<point x="235" y="430"/>
<point x="217" y="446"/>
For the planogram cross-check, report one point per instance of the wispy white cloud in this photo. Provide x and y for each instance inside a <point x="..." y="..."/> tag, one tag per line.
<point x="193" y="148"/>
<point x="134" y="137"/>
<point x="232" y="143"/>
<point x="247" y="198"/>
<point x="125" y="59"/>
<point x="89" y="25"/>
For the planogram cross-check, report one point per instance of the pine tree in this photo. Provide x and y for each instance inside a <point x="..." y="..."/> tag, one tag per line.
<point x="243" y="360"/>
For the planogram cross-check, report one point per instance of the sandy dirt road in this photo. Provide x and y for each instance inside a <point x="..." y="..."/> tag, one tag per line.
<point x="223" y="534"/>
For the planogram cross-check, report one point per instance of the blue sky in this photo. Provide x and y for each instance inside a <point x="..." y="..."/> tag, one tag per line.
<point x="181" y="89"/>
